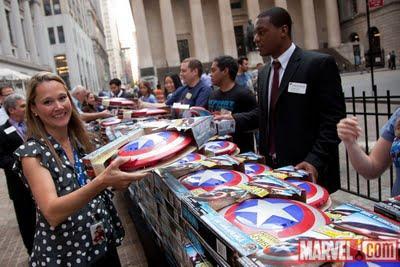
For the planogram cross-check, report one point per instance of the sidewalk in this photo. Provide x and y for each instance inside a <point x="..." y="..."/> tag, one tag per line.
<point x="12" y="250"/>
<point x="365" y="71"/>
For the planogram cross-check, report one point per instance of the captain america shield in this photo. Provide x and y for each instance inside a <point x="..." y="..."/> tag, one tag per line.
<point x="115" y="101"/>
<point x="192" y="157"/>
<point x="283" y="218"/>
<point x="149" y="149"/>
<point x="316" y="195"/>
<point x="283" y="253"/>
<point x="252" y="169"/>
<point x="209" y="180"/>
<point x="110" y="121"/>
<point x="220" y="147"/>
<point x="148" y="112"/>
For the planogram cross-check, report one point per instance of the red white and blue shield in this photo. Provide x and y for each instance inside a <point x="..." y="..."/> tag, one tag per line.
<point x="148" y="112"/>
<point x="209" y="180"/>
<point x="279" y="254"/>
<point x="110" y="122"/>
<point x="283" y="218"/>
<point x="220" y="147"/>
<point x="316" y="195"/>
<point x="192" y="157"/>
<point x="150" y="149"/>
<point x="252" y="169"/>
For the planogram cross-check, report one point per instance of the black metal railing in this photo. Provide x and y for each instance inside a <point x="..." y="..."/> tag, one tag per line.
<point x="372" y="113"/>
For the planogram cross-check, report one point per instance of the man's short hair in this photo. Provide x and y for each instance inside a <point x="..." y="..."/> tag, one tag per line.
<point x="194" y="64"/>
<point x="4" y="87"/>
<point x="278" y="17"/>
<point x="241" y="59"/>
<point x="11" y="101"/>
<point x="77" y="89"/>
<point x="115" y="81"/>
<point x="227" y="62"/>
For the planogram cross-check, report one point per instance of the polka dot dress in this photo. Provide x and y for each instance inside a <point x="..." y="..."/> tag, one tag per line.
<point x="70" y="243"/>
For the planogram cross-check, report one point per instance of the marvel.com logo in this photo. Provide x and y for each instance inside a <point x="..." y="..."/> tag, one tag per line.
<point x="348" y="250"/>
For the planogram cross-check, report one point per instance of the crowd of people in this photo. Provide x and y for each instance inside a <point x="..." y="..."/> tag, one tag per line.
<point x="297" y="106"/>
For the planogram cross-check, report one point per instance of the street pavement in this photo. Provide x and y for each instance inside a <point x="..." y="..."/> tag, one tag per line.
<point x="384" y="80"/>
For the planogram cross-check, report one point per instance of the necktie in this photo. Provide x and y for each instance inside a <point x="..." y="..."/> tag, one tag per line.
<point x="274" y="98"/>
<point x="22" y="129"/>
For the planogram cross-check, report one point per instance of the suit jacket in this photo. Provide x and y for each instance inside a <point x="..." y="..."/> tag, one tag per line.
<point x="305" y="123"/>
<point x="122" y="93"/>
<point x="8" y="144"/>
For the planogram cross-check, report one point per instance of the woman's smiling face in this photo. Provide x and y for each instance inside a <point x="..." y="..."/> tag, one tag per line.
<point x="52" y="105"/>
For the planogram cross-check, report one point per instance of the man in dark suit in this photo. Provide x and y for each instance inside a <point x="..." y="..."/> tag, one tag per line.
<point x="300" y="102"/>
<point x="116" y="90"/>
<point x="12" y="135"/>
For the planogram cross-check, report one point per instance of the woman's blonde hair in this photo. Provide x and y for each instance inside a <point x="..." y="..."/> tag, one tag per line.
<point x="35" y="126"/>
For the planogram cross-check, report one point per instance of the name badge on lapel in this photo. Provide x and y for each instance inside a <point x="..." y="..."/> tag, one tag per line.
<point x="188" y="96"/>
<point x="10" y="130"/>
<point x="297" y="88"/>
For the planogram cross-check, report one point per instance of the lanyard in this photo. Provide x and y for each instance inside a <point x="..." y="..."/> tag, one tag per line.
<point x="80" y="173"/>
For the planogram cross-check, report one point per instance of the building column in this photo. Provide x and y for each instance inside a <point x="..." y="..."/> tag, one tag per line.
<point x="309" y="24"/>
<point x="253" y="9"/>
<point x="168" y="28"/>
<point x="19" y="35"/>
<point x="199" y="31"/>
<point x="4" y="34"/>
<point x="332" y="23"/>
<point x="30" y="36"/>
<point x="281" y="3"/>
<point x="41" y="35"/>
<point x="143" y="45"/>
<point x="228" y="33"/>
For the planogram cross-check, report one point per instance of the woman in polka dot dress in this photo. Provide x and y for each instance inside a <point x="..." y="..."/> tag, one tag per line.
<point x="72" y="211"/>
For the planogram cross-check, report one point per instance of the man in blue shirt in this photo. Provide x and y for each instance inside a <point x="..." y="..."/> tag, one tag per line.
<point x="244" y="78"/>
<point x="194" y="93"/>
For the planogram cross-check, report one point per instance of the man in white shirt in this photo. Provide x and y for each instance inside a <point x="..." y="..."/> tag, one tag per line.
<point x="79" y="94"/>
<point x="4" y="92"/>
<point x="300" y="102"/>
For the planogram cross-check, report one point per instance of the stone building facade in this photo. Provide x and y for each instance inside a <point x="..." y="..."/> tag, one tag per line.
<point x="385" y="29"/>
<point x="170" y="30"/>
<point x="23" y="45"/>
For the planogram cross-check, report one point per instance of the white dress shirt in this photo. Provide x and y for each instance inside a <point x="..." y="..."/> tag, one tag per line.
<point x="3" y="116"/>
<point x="284" y="60"/>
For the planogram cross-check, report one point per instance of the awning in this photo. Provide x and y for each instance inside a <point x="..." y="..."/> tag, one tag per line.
<point x="12" y="75"/>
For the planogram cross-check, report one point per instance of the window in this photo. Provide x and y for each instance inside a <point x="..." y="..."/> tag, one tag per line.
<point x="62" y="68"/>
<point x="240" y="40"/>
<point x="60" y="32"/>
<point x="47" y="8"/>
<point x="236" y="4"/>
<point x="9" y="26"/>
<point x="354" y="8"/>
<point x="56" y="7"/>
<point x="24" y="34"/>
<point x="183" y="48"/>
<point x="52" y="37"/>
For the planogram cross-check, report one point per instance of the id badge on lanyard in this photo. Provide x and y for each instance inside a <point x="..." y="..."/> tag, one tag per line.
<point x="97" y="232"/>
<point x="80" y="173"/>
